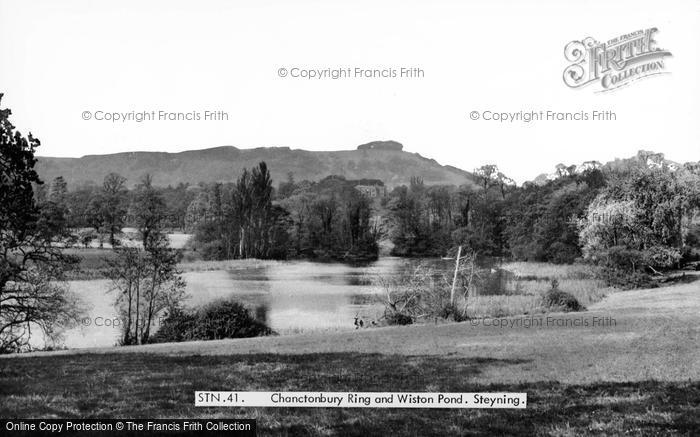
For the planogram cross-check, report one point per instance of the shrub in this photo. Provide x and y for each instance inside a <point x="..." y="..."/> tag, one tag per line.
<point x="557" y="299"/>
<point x="229" y="319"/>
<point x="399" y="319"/>
<point x="451" y="311"/>
<point x="626" y="280"/>
<point x="176" y="327"/>
<point x="212" y="251"/>
<point x="561" y="253"/>
<point x="629" y="268"/>
<point x="217" y="320"/>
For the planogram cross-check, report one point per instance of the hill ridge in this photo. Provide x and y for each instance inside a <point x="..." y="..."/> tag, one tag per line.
<point x="225" y="163"/>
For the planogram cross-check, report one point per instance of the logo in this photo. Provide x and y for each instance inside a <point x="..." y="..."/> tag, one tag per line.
<point x="615" y="63"/>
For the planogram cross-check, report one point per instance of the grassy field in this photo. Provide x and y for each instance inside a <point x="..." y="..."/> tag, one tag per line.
<point x="638" y="375"/>
<point x="138" y="385"/>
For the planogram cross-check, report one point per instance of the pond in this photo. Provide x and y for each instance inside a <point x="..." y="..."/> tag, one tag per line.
<point x="291" y="297"/>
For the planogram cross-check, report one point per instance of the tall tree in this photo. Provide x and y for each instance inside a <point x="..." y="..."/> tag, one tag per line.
<point x="59" y="190"/>
<point x="126" y="270"/>
<point x="113" y="204"/>
<point x="486" y="175"/>
<point x="148" y="210"/>
<point x="148" y="282"/>
<point x="164" y="287"/>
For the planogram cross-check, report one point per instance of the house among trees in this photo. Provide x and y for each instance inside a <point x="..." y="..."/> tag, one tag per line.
<point x="373" y="188"/>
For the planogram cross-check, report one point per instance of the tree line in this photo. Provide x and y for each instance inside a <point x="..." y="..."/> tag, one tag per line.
<point x="645" y="204"/>
<point x="328" y="219"/>
<point x="99" y="212"/>
<point x="632" y="218"/>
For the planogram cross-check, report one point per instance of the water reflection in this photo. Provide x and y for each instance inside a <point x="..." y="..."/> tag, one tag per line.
<point x="298" y="296"/>
<point x="294" y="296"/>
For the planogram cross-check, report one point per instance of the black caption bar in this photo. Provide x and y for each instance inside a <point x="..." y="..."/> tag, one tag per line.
<point x="128" y="427"/>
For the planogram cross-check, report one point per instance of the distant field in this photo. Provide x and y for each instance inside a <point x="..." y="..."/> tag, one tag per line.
<point x="636" y="376"/>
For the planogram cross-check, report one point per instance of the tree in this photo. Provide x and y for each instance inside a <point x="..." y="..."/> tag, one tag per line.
<point x="328" y="219"/>
<point x="562" y="170"/>
<point x="113" y="204"/>
<point x="411" y="236"/>
<point x="485" y="175"/>
<point x="198" y="212"/>
<point x="59" y="190"/>
<point x="260" y="213"/>
<point x="640" y="221"/>
<point x="126" y="271"/>
<point x="239" y="220"/>
<point x="77" y="202"/>
<point x="286" y="189"/>
<point x="360" y="235"/>
<point x="94" y="217"/>
<point x="486" y="229"/>
<point x="148" y="283"/>
<point x="31" y="266"/>
<point x="54" y="212"/>
<point x="164" y="286"/>
<point x="148" y="209"/>
<point x="541" y="220"/>
<point x="299" y="209"/>
<point x="504" y="184"/>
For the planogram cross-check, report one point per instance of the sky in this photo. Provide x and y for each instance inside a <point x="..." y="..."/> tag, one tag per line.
<point x="61" y="60"/>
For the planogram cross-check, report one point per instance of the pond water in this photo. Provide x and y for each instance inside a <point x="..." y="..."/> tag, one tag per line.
<point x="291" y="297"/>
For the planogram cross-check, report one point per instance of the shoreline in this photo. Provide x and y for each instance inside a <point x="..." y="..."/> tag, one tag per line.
<point x="650" y="309"/>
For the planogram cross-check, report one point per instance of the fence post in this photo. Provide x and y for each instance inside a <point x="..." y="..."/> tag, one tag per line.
<point x="454" y="278"/>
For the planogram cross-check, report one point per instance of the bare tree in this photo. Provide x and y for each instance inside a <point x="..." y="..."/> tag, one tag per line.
<point x="164" y="287"/>
<point x="411" y="295"/>
<point x="126" y="271"/>
<point x="463" y="285"/>
<point x="148" y="282"/>
<point x="426" y="293"/>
